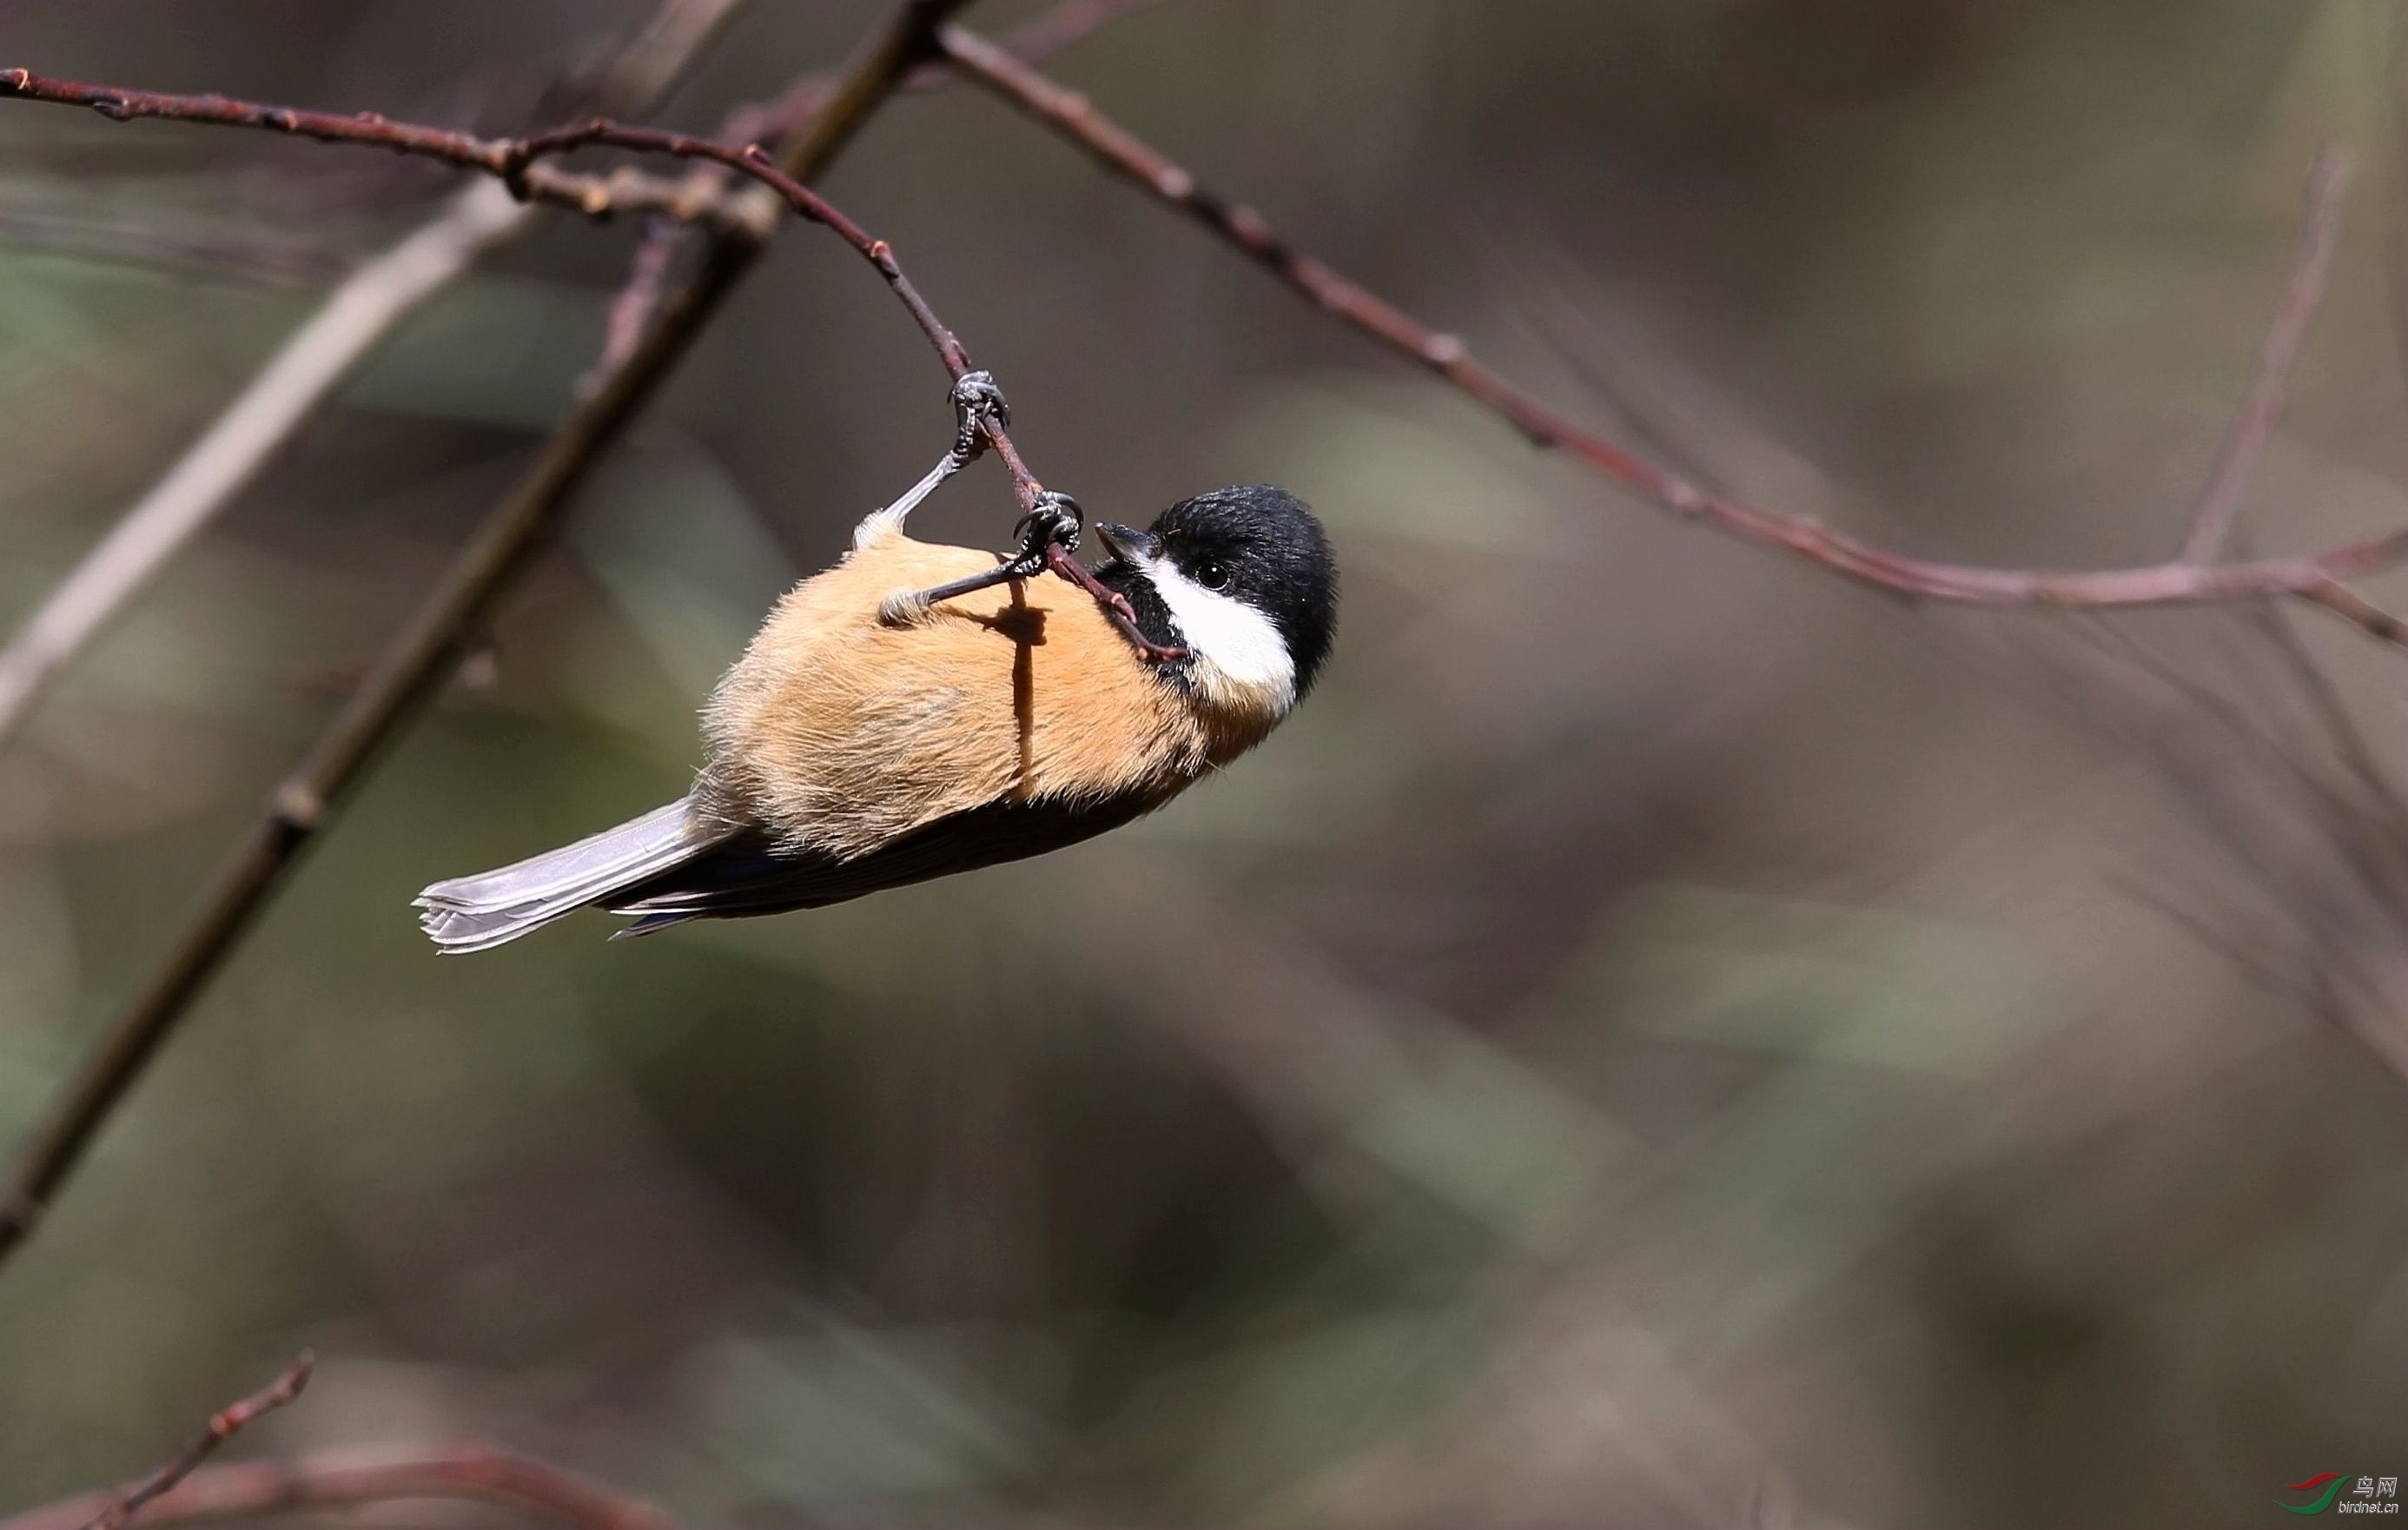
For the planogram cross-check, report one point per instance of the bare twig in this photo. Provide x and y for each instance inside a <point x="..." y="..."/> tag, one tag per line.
<point x="510" y="160"/>
<point x="2314" y="579"/>
<point x="751" y="160"/>
<point x="771" y="121"/>
<point x="303" y="373"/>
<point x="2278" y="356"/>
<point x="474" y="1473"/>
<point x="120" y="104"/>
<point x="807" y="204"/>
<point x="596" y="196"/>
<point x="423" y="654"/>
<point x="223" y="1425"/>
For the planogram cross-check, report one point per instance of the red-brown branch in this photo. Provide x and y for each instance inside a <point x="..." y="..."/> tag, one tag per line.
<point x="472" y="1472"/>
<point x="223" y="1425"/>
<point x="2317" y="579"/>
<point x="638" y="297"/>
<point x="512" y="159"/>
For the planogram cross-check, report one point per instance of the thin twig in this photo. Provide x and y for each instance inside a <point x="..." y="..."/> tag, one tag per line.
<point x="223" y="1425"/>
<point x="2315" y="579"/>
<point x="2278" y="357"/>
<point x="771" y="122"/>
<point x="474" y="1473"/>
<point x="511" y="159"/>
<point x="121" y="103"/>
<point x="357" y="316"/>
<point x="423" y="654"/>
<point x="807" y="204"/>
<point x="749" y="160"/>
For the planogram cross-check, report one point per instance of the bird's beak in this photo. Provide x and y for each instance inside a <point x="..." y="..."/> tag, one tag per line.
<point x="1130" y="544"/>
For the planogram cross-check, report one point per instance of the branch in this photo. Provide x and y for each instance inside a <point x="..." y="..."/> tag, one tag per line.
<point x="222" y="1427"/>
<point x="240" y="443"/>
<point x="2182" y="582"/>
<point x="303" y="373"/>
<point x="648" y="271"/>
<point x="510" y="160"/>
<point x="807" y="204"/>
<point x="120" y="105"/>
<point x="2278" y="356"/>
<point x="471" y="1472"/>
<point x="424" y="653"/>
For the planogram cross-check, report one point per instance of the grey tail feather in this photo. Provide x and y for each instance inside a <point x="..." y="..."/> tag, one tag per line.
<point x="479" y="913"/>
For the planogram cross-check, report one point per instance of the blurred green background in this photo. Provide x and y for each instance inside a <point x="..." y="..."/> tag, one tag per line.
<point x="1662" y="1038"/>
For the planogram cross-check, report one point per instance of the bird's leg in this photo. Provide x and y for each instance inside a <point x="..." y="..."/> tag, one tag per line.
<point x="975" y="399"/>
<point x="1050" y="530"/>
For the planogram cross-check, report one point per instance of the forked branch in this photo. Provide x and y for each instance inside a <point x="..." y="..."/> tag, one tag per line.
<point x="2320" y="580"/>
<point x="512" y="159"/>
<point x="648" y="271"/>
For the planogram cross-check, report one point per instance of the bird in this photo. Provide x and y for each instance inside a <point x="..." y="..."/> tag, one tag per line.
<point x="918" y="710"/>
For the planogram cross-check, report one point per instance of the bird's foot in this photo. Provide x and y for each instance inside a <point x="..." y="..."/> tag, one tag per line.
<point x="1054" y="524"/>
<point x="976" y="400"/>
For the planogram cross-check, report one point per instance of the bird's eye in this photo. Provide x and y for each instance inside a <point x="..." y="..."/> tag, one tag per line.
<point x="1212" y="577"/>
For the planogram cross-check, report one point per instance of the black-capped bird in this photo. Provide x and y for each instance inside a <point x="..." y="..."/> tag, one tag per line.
<point x="871" y="736"/>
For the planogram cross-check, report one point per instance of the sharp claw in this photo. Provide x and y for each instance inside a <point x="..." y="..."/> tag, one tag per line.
<point x="1043" y="532"/>
<point x="976" y="400"/>
<point x="977" y="392"/>
<point x="1056" y="520"/>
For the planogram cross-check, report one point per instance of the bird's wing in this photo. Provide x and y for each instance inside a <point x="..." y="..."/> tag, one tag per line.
<point x="750" y="875"/>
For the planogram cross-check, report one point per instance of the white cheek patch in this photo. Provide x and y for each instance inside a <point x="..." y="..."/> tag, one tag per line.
<point x="1231" y="636"/>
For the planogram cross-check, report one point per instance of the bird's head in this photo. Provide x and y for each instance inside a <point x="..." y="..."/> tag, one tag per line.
<point x="1243" y="580"/>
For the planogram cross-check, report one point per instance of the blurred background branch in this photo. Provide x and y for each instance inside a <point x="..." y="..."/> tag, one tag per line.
<point x="2278" y="357"/>
<point x="385" y="290"/>
<point x="469" y="1473"/>
<point x="2191" y="579"/>
<point x="422" y="654"/>
<point x="223" y="1425"/>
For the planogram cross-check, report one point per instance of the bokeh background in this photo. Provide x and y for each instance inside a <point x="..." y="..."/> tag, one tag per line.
<point x="1662" y="1038"/>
